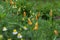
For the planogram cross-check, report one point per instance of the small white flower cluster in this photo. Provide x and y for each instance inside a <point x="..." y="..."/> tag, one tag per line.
<point x="14" y="32"/>
<point x="4" y="29"/>
<point x="19" y="35"/>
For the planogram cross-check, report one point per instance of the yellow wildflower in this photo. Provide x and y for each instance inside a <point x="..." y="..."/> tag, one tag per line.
<point x="24" y="14"/>
<point x="36" y="26"/>
<point x="56" y="32"/>
<point x="37" y="16"/>
<point x="29" y="21"/>
<point x="11" y="2"/>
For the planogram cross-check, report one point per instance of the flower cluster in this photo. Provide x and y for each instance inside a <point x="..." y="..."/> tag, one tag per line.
<point x="22" y="21"/>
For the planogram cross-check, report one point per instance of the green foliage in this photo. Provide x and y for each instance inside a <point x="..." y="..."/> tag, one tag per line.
<point x="12" y="18"/>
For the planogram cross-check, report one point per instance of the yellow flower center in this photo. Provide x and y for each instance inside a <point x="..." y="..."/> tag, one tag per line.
<point x="14" y="30"/>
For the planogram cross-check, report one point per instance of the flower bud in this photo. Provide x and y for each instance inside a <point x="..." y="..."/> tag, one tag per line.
<point x="56" y="32"/>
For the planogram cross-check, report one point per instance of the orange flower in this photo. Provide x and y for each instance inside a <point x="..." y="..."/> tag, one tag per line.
<point x="11" y="2"/>
<point x="56" y="32"/>
<point x="24" y="14"/>
<point x="50" y="13"/>
<point x="36" y="26"/>
<point x="37" y="16"/>
<point x="29" y="21"/>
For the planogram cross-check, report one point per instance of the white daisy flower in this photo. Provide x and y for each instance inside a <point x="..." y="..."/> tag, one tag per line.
<point x="19" y="35"/>
<point x="15" y="32"/>
<point x="4" y="29"/>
